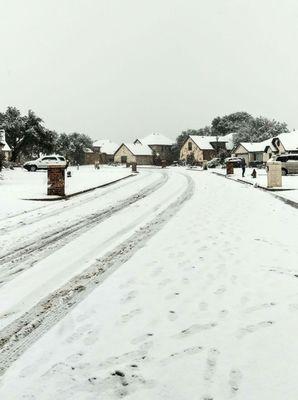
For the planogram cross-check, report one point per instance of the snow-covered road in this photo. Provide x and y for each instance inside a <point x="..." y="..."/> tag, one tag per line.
<point x="193" y="295"/>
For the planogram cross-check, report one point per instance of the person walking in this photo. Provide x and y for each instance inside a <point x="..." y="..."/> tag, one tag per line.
<point x="243" y="165"/>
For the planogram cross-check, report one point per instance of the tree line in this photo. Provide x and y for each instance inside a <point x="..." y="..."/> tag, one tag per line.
<point x="28" y="137"/>
<point x="243" y="125"/>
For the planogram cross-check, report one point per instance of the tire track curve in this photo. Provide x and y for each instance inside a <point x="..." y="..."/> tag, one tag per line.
<point x="24" y="331"/>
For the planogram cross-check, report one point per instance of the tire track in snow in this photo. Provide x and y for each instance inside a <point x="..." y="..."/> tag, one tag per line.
<point x="23" y="332"/>
<point x="19" y="259"/>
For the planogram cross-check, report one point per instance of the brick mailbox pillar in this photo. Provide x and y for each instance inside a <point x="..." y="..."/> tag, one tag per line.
<point x="230" y="168"/>
<point x="274" y="178"/>
<point x="134" y="167"/>
<point x="163" y="163"/>
<point x="56" y="180"/>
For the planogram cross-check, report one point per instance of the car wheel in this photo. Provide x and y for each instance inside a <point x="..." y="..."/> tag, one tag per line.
<point x="284" y="172"/>
<point x="33" y="168"/>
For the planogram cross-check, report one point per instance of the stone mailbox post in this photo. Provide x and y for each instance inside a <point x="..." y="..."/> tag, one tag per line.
<point x="274" y="176"/>
<point x="56" y="180"/>
<point x="134" y="167"/>
<point x="163" y="163"/>
<point x="230" y="168"/>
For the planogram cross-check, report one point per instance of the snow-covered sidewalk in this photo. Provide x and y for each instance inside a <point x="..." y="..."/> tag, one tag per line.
<point x="207" y="309"/>
<point x="289" y="183"/>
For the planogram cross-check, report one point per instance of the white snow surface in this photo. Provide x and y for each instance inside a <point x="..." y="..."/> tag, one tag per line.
<point x="20" y="184"/>
<point x="206" y="309"/>
<point x="289" y="182"/>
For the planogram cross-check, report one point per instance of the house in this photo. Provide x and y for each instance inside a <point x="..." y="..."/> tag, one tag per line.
<point x="286" y="142"/>
<point x="253" y="153"/>
<point x="202" y="148"/>
<point x="260" y="152"/>
<point x="160" y="145"/>
<point x="4" y="146"/>
<point x="134" y="153"/>
<point x="106" y="148"/>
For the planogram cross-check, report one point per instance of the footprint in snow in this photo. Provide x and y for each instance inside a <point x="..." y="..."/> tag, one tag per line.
<point x="141" y="338"/>
<point x="234" y="381"/>
<point x="172" y="315"/>
<point x="129" y="296"/>
<point x="211" y="364"/>
<point x="127" y="317"/>
<point x="91" y="338"/>
<point x="197" y="328"/>
<point x="220" y="290"/>
<point x="189" y="351"/>
<point x="253" y="328"/>
<point x="259" y="307"/>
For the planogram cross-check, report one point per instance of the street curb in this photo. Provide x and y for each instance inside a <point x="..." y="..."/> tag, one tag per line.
<point x="68" y="196"/>
<point x="284" y="200"/>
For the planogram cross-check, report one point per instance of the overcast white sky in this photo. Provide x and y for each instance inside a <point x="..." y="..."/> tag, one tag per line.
<point x="122" y="69"/>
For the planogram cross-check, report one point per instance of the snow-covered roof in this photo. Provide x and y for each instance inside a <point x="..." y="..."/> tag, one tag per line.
<point x="106" y="146"/>
<point x="289" y="140"/>
<point x="4" y="145"/>
<point x="204" y="142"/>
<point x="139" y="149"/>
<point x="254" y="147"/>
<point x="157" y="139"/>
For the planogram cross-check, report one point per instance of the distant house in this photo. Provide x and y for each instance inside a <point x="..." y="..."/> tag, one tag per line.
<point x="202" y="148"/>
<point x="4" y="146"/>
<point x="106" y="148"/>
<point x="286" y="142"/>
<point x="160" y="145"/>
<point x="134" y="153"/>
<point x="260" y="152"/>
<point x="253" y="153"/>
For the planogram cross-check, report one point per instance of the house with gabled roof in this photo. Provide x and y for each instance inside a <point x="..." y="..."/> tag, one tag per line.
<point x="260" y="152"/>
<point x="160" y="145"/>
<point x="134" y="153"/>
<point x="202" y="148"/>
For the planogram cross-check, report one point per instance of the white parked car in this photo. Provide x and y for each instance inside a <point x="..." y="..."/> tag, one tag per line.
<point x="44" y="162"/>
<point x="289" y="163"/>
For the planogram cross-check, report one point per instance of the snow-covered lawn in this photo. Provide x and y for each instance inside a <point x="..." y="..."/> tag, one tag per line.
<point x="205" y="309"/>
<point x="288" y="182"/>
<point x="19" y="184"/>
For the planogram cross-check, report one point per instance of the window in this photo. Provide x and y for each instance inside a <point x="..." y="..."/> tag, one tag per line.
<point x="189" y="146"/>
<point x="49" y="158"/>
<point x="293" y="158"/>
<point x="282" y="159"/>
<point x="61" y="158"/>
<point x="255" y="156"/>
